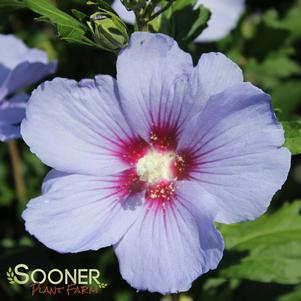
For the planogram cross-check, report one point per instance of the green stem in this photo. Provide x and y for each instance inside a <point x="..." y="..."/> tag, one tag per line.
<point x="150" y="7"/>
<point x="141" y="19"/>
<point x="17" y="171"/>
<point x="143" y="26"/>
<point x="144" y="16"/>
<point x="159" y="12"/>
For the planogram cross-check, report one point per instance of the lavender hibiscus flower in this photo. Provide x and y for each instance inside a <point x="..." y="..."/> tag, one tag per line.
<point x="149" y="162"/>
<point x="19" y="67"/>
<point x="224" y="17"/>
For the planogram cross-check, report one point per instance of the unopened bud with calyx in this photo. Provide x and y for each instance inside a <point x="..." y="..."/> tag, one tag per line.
<point x="108" y="30"/>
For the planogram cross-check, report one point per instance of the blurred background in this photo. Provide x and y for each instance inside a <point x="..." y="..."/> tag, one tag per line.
<point x="263" y="258"/>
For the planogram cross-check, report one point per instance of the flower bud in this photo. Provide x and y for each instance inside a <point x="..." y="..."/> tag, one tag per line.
<point x="108" y="30"/>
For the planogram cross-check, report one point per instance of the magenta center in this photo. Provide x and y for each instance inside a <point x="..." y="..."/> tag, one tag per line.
<point x="156" y="168"/>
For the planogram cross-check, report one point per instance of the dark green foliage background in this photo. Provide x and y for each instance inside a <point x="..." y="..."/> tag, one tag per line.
<point x="267" y="45"/>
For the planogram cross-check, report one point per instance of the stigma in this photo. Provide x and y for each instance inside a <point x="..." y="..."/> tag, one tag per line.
<point x="156" y="166"/>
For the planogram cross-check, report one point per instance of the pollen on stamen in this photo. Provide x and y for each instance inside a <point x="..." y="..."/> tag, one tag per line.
<point x="163" y="139"/>
<point x="183" y="165"/>
<point x="160" y="194"/>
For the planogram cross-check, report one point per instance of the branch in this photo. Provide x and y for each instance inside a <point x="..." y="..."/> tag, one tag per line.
<point x="17" y="172"/>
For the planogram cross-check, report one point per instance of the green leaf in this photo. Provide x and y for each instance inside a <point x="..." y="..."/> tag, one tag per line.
<point x="268" y="249"/>
<point x="183" y="20"/>
<point x="283" y="225"/>
<point x="292" y="20"/>
<point x="11" y="4"/>
<point x="287" y="97"/>
<point x="276" y="66"/>
<point x="269" y="37"/>
<point x="124" y="296"/>
<point x="79" y="15"/>
<point x="295" y="295"/>
<point x="293" y="136"/>
<point x="68" y="28"/>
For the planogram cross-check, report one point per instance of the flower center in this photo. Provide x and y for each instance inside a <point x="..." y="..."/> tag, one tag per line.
<point x="156" y="166"/>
